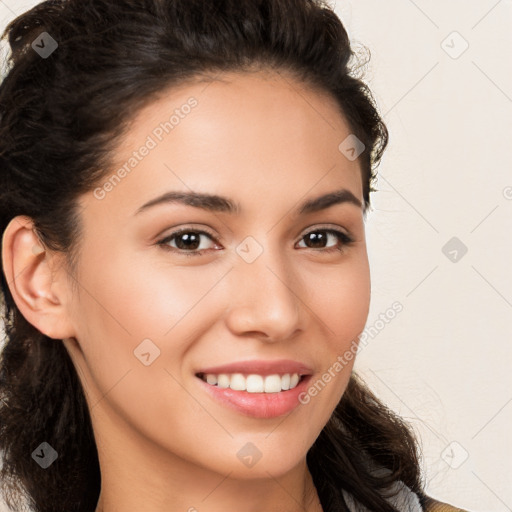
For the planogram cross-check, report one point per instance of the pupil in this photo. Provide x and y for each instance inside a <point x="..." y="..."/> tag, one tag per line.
<point x="314" y="237"/>
<point x="191" y="241"/>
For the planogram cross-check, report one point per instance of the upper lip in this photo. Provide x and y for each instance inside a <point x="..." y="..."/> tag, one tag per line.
<point x="260" y="367"/>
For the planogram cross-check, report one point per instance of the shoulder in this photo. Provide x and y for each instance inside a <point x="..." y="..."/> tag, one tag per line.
<point x="432" y="505"/>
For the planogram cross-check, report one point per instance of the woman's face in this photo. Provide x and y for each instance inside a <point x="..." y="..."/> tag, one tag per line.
<point x="261" y="287"/>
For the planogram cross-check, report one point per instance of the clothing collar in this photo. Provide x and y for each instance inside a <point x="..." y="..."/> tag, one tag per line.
<point x="404" y="500"/>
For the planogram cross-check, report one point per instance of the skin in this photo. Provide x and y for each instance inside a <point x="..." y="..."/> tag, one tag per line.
<point x="267" y="142"/>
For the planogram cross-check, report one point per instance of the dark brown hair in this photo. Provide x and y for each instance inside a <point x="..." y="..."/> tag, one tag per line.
<point x="61" y="117"/>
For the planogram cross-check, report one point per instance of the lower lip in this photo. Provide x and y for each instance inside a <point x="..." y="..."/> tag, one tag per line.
<point x="259" y="405"/>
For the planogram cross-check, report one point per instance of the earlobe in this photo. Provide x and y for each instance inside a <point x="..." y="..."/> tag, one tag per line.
<point x="37" y="289"/>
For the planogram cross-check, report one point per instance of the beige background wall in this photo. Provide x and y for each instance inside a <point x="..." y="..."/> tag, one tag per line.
<point x="441" y="73"/>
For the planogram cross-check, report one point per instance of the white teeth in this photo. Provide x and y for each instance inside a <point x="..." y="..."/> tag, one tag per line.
<point x="253" y="383"/>
<point x="211" y="379"/>
<point x="272" y="384"/>
<point x="294" y="380"/>
<point x="237" y="382"/>
<point x="223" y="381"/>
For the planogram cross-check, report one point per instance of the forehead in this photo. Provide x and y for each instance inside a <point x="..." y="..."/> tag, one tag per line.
<point x="239" y="134"/>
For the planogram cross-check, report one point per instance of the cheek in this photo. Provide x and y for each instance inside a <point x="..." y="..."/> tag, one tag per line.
<point x="133" y="299"/>
<point x="340" y="299"/>
<point x="123" y="301"/>
<point x="126" y="303"/>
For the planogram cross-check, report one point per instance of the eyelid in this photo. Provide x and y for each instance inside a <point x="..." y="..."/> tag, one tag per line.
<point x="326" y="227"/>
<point x="196" y="229"/>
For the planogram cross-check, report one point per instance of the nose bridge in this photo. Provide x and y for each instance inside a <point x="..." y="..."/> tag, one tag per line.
<point x="265" y="298"/>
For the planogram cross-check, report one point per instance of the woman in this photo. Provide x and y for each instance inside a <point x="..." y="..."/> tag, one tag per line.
<point x="183" y="194"/>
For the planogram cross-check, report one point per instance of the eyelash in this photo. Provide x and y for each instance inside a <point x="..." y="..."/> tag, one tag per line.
<point x="345" y="239"/>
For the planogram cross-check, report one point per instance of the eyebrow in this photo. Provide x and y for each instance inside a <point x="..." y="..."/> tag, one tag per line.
<point x="216" y="203"/>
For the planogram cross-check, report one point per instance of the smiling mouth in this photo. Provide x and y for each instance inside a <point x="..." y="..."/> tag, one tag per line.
<point x="253" y="383"/>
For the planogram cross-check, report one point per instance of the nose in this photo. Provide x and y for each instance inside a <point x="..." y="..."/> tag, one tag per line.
<point x="264" y="299"/>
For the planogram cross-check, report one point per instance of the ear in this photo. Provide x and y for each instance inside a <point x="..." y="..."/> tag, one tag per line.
<point x="37" y="279"/>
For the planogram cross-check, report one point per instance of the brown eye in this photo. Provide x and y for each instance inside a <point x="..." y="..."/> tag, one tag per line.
<point x="187" y="241"/>
<point x="320" y="237"/>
